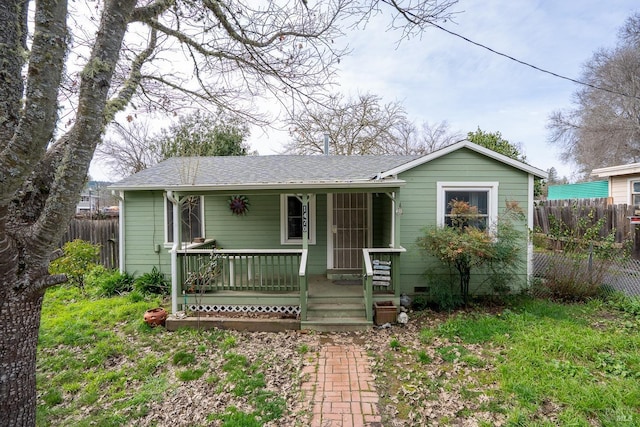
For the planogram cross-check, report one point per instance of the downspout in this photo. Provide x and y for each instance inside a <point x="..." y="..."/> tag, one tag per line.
<point x="121" y="245"/>
<point x="177" y="239"/>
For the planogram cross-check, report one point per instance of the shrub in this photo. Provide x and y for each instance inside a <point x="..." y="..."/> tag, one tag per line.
<point x="466" y="245"/>
<point x="579" y="271"/>
<point x="79" y="258"/>
<point x="152" y="282"/>
<point x="109" y="282"/>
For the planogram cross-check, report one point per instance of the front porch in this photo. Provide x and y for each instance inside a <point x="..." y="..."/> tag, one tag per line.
<point x="270" y="289"/>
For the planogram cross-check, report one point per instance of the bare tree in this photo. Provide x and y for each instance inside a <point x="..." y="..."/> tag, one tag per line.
<point x="603" y="128"/>
<point x="438" y="135"/>
<point x="129" y="54"/>
<point x="355" y="126"/>
<point x="129" y="149"/>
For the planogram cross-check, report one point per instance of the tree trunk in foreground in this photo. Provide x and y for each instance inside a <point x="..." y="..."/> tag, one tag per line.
<point x="19" y="325"/>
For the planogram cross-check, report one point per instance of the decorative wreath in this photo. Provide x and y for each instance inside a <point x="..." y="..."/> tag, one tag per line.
<point x="239" y="204"/>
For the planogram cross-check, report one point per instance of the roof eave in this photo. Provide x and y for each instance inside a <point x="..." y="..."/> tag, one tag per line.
<point x="470" y="145"/>
<point x="380" y="183"/>
<point x="616" y="170"/>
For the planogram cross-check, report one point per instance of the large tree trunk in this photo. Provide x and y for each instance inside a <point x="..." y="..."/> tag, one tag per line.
<point x="19" y="325"/>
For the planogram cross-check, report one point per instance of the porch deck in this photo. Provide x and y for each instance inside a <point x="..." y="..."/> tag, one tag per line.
<point x="274" y="284"/>
<point x="334" y="305"/>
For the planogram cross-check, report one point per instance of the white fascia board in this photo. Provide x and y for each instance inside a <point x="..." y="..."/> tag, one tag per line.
<point x="470" y="145"/>
<point x="387" y="183"/>
<point x="616" y="170"/>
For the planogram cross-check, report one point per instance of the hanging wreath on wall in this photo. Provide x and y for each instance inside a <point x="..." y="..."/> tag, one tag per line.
<point x="239" y="204"/>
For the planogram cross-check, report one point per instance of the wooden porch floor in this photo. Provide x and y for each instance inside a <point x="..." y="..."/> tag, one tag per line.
<point x="331" y="307"/>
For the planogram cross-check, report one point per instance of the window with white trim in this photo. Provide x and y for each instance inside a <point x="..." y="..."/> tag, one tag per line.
<point x="635" y="196"/>
<point x="291" y="219"/>
<point x="192" y="223"/>
<point x="482" y="195"/>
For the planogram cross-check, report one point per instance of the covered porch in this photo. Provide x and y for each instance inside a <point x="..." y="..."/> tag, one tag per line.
<point x="273" y="285"/>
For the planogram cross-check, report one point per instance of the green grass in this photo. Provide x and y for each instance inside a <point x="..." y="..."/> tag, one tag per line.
<point x="533" y="363"/>
<point x="580" y="363"/>
<point x="100" y="364"/>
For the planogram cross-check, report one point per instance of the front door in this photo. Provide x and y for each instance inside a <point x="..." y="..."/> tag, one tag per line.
<point x="350" y="229"/>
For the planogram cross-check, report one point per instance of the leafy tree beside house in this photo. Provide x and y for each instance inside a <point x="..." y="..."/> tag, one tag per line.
<point x="201" y="134"/>
<point x="494" y="141"/>
<point x="467" y="244"/>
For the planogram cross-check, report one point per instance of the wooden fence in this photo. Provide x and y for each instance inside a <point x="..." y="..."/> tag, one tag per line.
<point x="103" y="232"/>
<point x="616" y="217"/>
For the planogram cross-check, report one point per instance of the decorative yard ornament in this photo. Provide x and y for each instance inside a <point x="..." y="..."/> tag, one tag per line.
<point x="239" y="204"/>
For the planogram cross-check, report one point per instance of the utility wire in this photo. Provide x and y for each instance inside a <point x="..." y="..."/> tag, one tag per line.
<point x="531" y="65"/>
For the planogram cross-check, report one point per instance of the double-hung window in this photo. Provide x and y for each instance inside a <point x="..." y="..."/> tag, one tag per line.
<point x="635" y="197"/>
<point x="292" y="219"/>
<point x="482" y="195"/>
<point x="191" y="219"/>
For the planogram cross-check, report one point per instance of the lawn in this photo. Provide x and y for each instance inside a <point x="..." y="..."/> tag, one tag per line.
<point x="526" y="363"/>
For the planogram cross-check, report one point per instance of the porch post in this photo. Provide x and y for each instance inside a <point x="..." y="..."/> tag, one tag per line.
<point x="305" y="250"/>
<point x="305" y="221"/>
<point x="177" y="243"/>
<point x="397" y="215"/>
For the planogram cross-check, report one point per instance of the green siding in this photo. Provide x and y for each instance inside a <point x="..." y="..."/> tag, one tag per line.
<point x="582" y="190"/>
<point x="260" y="227"/>
<point x="381" y="219"/>
<point x="144" y="233"/>
<point x="418" y="198"/>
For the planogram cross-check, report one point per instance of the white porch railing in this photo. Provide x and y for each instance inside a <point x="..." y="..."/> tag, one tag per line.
<point x="270" y="271"/>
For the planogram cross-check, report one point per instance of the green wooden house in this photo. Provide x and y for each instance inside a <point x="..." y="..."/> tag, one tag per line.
<point x="319" y="238"/>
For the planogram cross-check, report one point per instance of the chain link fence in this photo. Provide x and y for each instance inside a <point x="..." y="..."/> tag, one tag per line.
<point x="622" y="275"/>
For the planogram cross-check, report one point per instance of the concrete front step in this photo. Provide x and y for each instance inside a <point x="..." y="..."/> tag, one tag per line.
<point x="332" y="299"/>
<point x="336" y="310"/>
<point x="342" y="324"/>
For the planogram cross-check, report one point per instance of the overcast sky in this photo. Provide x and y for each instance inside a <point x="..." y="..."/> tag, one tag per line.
<point x="442" y="77"/>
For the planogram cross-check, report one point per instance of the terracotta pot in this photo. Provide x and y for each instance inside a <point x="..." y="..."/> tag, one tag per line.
<point x="155" y="316"/>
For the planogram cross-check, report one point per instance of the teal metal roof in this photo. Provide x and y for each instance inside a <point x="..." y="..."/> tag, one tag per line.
<point x="582" y="190"/>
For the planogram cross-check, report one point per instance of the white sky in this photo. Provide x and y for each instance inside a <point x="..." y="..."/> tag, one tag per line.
<point x="442" y="77"/>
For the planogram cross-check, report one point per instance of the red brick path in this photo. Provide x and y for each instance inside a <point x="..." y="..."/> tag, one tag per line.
<point x="340" y="390"/>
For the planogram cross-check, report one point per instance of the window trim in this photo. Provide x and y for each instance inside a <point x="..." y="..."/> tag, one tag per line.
<point x="168" y="243"/>
<point x="492" y="204"/>
<point x="632" y="193"/>
<point x="284" y="240"/>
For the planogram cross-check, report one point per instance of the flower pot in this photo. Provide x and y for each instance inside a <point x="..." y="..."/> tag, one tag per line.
<point x="155" y="316"/>
<point x="384" y="312"/>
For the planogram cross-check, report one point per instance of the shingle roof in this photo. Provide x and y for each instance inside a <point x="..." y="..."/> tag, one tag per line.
<point x="261" y="170"/>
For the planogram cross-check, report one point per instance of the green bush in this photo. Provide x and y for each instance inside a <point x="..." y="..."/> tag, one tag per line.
<point x="79" y="258"/>
<point x="152" y="282"/>
<point x="109" y="283"/>
<point x="584" y="255"/>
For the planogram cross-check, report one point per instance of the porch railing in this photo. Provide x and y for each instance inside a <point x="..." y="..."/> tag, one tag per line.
<point x="257" y="270"/>
<point x="381" y="274"/>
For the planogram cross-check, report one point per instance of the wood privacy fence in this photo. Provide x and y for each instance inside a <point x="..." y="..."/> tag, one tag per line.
<point x="103" y="232"/>
<point x="616" y="217"/>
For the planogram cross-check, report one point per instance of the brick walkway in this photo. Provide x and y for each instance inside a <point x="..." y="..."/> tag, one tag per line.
<point x="339" y="388"/>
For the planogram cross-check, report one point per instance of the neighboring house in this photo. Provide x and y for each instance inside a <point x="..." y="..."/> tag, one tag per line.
<point x="362" y="216"/>
<point x="582" y="190"/>
<point x="91" y="198"/>
<point x="623" y="184"/>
